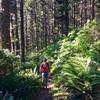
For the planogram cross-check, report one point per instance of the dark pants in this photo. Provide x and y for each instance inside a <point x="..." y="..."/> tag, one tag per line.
<point x="45" y="78"/>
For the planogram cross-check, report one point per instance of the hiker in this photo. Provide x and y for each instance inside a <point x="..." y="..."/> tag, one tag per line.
<point x="44" y="70"/>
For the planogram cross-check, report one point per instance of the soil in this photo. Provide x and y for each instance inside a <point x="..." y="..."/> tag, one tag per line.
<point x="44" y="93"/>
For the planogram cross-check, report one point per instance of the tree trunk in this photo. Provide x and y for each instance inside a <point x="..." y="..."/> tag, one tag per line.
<point x="97" y="9"/>
<point x="6" y="43"/>
<point x="66" y="18"/>
<point x="0" y="27"/>
<point x="17" y="35"/>
<point x="22" y="32"/>
<point x="37" y="30"/>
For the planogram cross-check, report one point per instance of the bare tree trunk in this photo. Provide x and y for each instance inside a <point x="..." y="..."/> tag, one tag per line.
<point x="66" y="18"/>
<point x="17" y="35"/>
<point x="22" y="32"/>
<point x="97" y="9"/>
<point x="11" y="33"/>
<point x="26" y="33"/>
<point x="74" y="14"/>
<point x="85" y="11"/>
<point x="6" y="25"/>
<point x="0" y="26"/>
<point x="0" y="40"/>
<point x="37" y="30"/>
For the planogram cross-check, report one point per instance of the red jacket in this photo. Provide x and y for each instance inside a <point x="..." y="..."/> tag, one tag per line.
<point x="44" y="67"/>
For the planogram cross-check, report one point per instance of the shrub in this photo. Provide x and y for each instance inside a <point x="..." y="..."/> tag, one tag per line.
<point x="8" y="61"/>
<point x="18" y="80"/>
<point x="79" y="60"/>
<point x="22" y="84"/>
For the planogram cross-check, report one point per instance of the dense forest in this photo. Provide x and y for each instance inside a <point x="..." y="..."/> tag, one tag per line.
<point x="66" y="32"/>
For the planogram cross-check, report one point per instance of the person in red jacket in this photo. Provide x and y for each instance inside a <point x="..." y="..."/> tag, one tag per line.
<point x="45" y="69"/>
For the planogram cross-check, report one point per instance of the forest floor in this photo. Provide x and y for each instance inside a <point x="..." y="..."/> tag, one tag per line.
<point x="45" y="93"/>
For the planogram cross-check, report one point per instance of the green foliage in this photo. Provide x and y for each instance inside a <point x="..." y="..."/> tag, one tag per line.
<point x="51" y="52"/>
<point x="8" y="61"/>
<point x="18" y="80"/>
<point x="21" y="84"/>
<point x="33" y="61"/>
<point x="79" y="60"/>
<point x="29" y="4"/>
<point x="75" y="59"/>
<point x="95" y="52"/>
<point x="80" y="75"/>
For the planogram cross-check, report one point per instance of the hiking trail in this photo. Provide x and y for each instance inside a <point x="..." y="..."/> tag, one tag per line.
<point x="44" y="93"/>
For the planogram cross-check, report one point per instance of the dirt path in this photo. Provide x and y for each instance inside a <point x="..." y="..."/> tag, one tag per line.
<point x="44" y="93"/>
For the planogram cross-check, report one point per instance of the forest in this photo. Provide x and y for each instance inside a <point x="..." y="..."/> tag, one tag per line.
<point x="66" y="33"/>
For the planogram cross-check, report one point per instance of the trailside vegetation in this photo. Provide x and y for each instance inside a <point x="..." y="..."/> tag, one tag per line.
<point x="19" y="81"/>
<point x="75" y="61"/>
